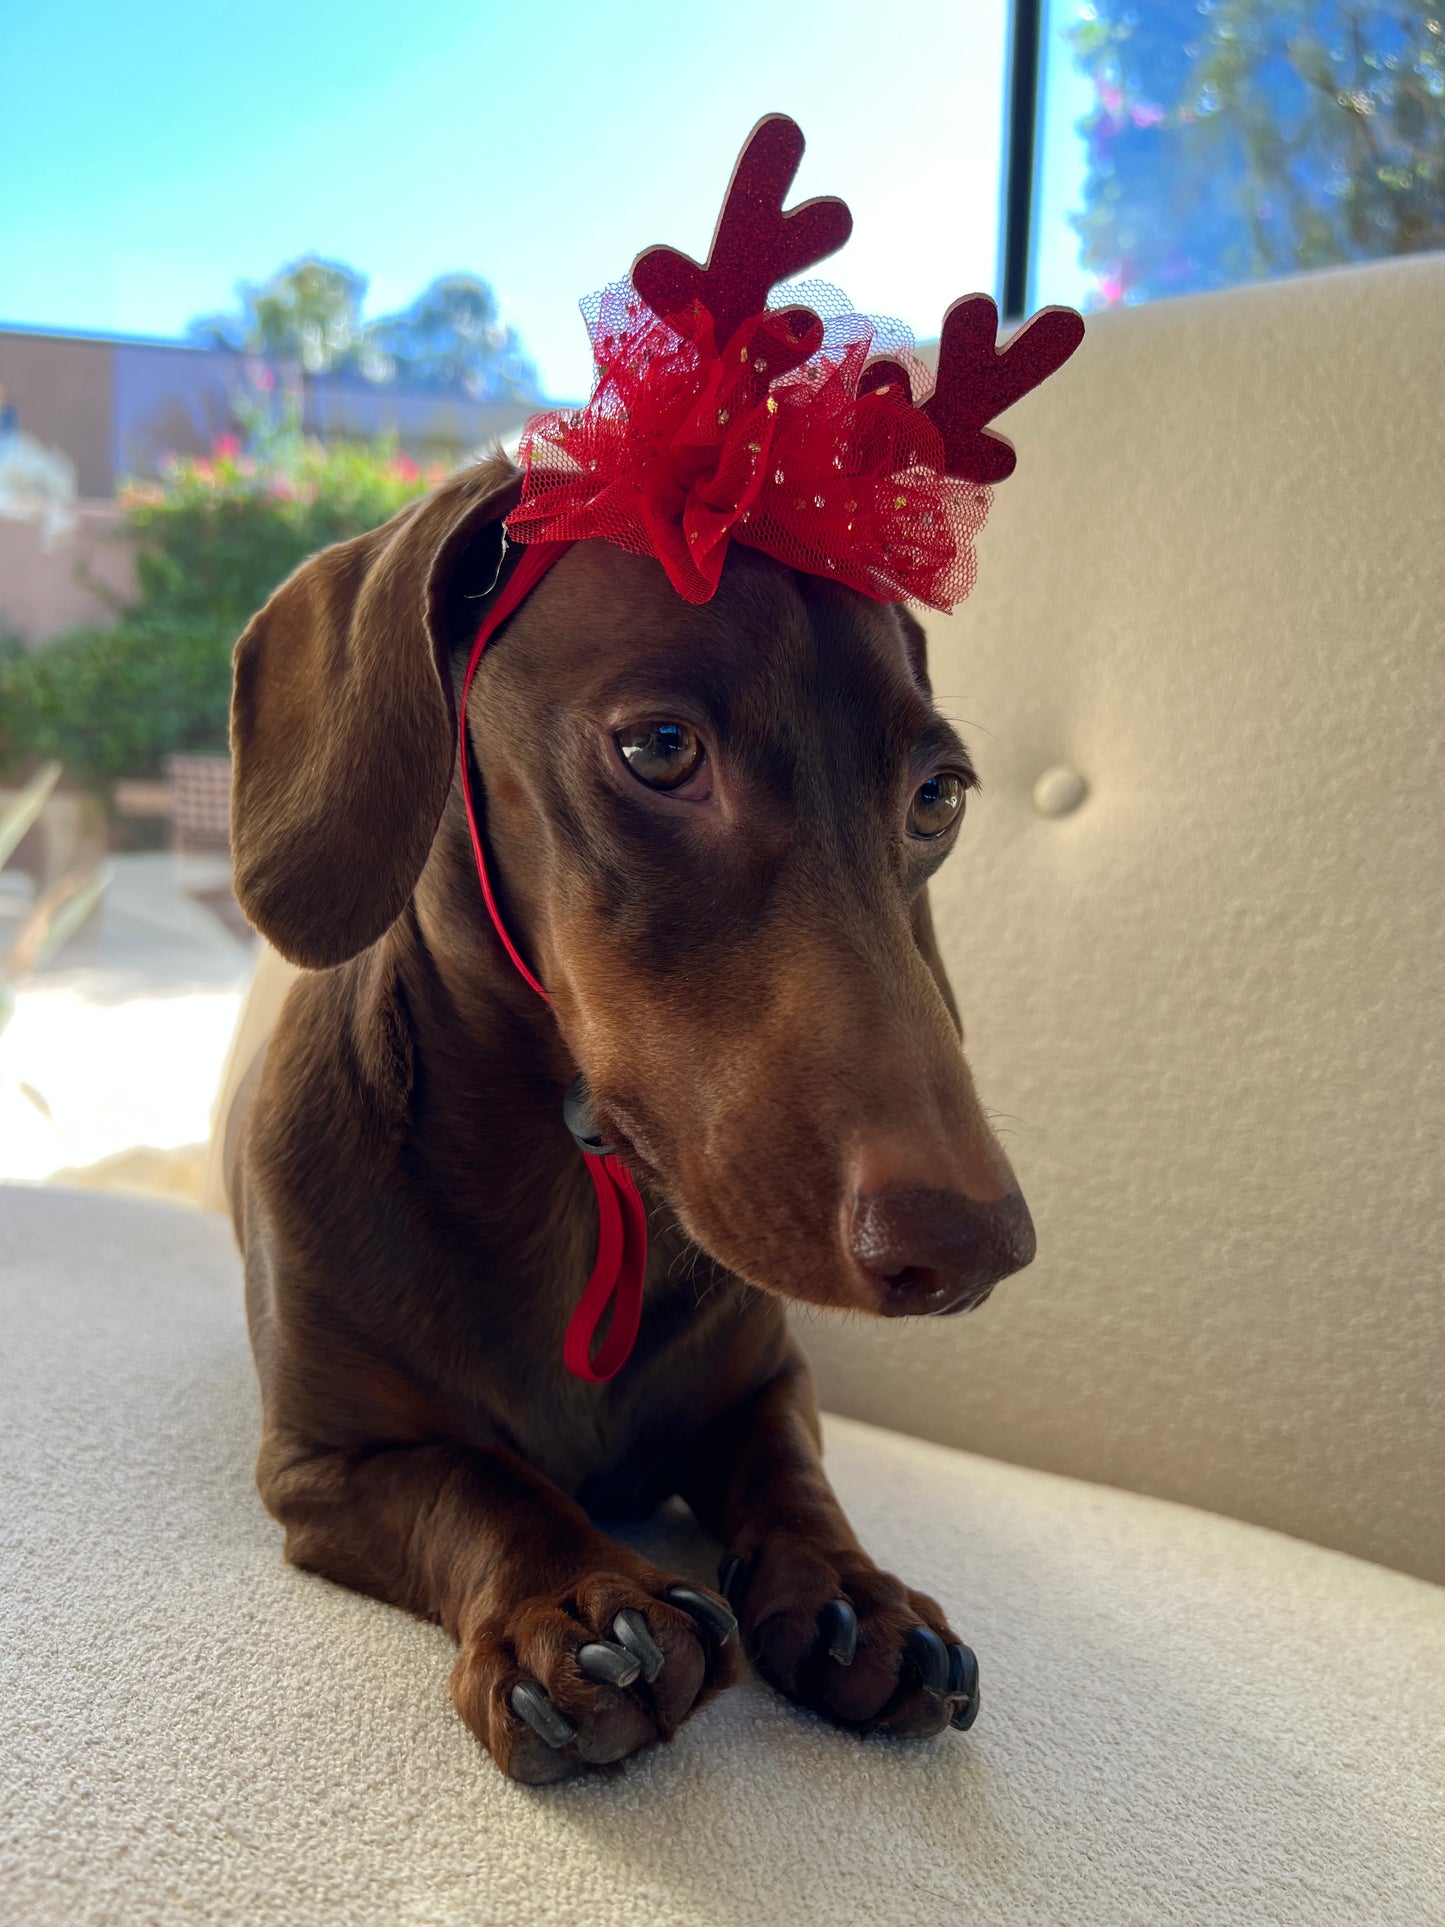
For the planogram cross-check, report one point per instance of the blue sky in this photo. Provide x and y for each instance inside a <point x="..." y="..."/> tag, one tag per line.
<point x="153" y="154"/>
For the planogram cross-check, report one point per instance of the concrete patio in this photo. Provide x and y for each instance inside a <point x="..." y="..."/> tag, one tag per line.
<point x="111" y="1062"/>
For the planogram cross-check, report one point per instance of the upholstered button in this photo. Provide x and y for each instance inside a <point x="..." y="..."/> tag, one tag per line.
<point x="1059" y="790"/>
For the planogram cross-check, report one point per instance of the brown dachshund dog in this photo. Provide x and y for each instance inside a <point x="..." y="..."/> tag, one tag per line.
<point x="711" y="829"/>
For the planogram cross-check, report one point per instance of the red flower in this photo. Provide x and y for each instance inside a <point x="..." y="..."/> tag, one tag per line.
<point x="225" y="448"/>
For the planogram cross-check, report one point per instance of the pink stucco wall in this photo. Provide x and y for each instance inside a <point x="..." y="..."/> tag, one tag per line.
<point x="43" y="592"/>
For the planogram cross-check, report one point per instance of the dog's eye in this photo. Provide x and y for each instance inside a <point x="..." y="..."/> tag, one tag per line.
<point x="937" y="805"/>
<point x="662" y="755"/>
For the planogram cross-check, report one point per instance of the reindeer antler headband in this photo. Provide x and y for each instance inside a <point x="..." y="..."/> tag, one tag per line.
<point x="716" y="418"/>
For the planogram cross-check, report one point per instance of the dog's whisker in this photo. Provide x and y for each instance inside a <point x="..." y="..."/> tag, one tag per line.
<point x="964" y="722"/>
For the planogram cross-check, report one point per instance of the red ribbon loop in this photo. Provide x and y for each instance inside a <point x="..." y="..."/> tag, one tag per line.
<point x="616" y="1277"/>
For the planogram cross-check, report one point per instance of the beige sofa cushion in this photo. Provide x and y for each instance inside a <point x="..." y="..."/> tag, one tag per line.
<point x="1184" y="1718"/>
<point x="1208" y="1003"/>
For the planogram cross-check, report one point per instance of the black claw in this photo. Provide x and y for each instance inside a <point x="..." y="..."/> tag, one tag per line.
<point x="631" y="1630"/>
<point x="602" y="1660"/>
<point x="838" y="1624"/>
<point x="930" y="1656"/>
<point x="531" y="1704"/>
<point x="732" y="1581"/>
<point x="965" y="1715"/>
<point x="711" y="1614"/>
<point x="962" y="1673"/>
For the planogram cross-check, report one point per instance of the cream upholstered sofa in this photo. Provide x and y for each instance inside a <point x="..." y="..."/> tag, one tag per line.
<point x="1181" y="1482"/>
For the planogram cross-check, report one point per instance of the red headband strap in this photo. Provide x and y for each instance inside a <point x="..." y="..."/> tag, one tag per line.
<point x="617" y="1274"/>
<point x="524" y="578"/>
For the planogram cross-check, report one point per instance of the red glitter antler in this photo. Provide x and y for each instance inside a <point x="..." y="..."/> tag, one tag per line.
<point x="977" y="380"/>
<point x="754" y="246"/>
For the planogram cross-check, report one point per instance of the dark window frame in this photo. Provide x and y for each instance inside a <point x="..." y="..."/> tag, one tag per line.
<point x="1021" y="127"/>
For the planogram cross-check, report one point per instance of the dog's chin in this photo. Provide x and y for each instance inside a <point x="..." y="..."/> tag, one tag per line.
<point x="843" y="1285"/>
<point x="924" y="1295"/>
<point x="879" y="1301"/>
<point x="844" y="1288"/>
<point x="968" y="1301"/>
<point x="763" y="1270"/>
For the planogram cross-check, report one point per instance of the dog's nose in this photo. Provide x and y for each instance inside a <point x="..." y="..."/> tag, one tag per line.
<point x="927" y="1250"/>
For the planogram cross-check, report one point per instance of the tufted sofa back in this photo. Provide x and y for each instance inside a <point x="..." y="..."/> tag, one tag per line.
<point x="1206" y="1000"/>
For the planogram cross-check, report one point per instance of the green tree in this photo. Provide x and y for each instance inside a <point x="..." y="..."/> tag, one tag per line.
<point x="1232" y="139"/>
<point x="308" y="315"/>
<point x="453" y="337"/>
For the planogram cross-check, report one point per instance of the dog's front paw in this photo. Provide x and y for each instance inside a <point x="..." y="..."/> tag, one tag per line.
<point x="833" y="1632"/>
<point x="582" y="1676"/>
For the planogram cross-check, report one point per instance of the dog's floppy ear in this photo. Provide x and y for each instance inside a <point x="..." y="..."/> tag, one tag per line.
<point x="343" y="721"/>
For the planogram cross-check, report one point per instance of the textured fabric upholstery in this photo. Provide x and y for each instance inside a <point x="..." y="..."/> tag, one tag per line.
<point x="1185" y="1719"/>
<point x="1207" y="1004"/>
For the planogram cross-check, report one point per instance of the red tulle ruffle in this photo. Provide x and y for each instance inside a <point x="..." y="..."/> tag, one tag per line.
<point x="686" y="446"/>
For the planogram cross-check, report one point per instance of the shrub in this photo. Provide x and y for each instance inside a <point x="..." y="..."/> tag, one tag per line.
<point x="214" y="536"/>
<point x="113" y="702"/>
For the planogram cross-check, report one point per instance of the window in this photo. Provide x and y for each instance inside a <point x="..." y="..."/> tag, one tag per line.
<point x="1193" y="144"/>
